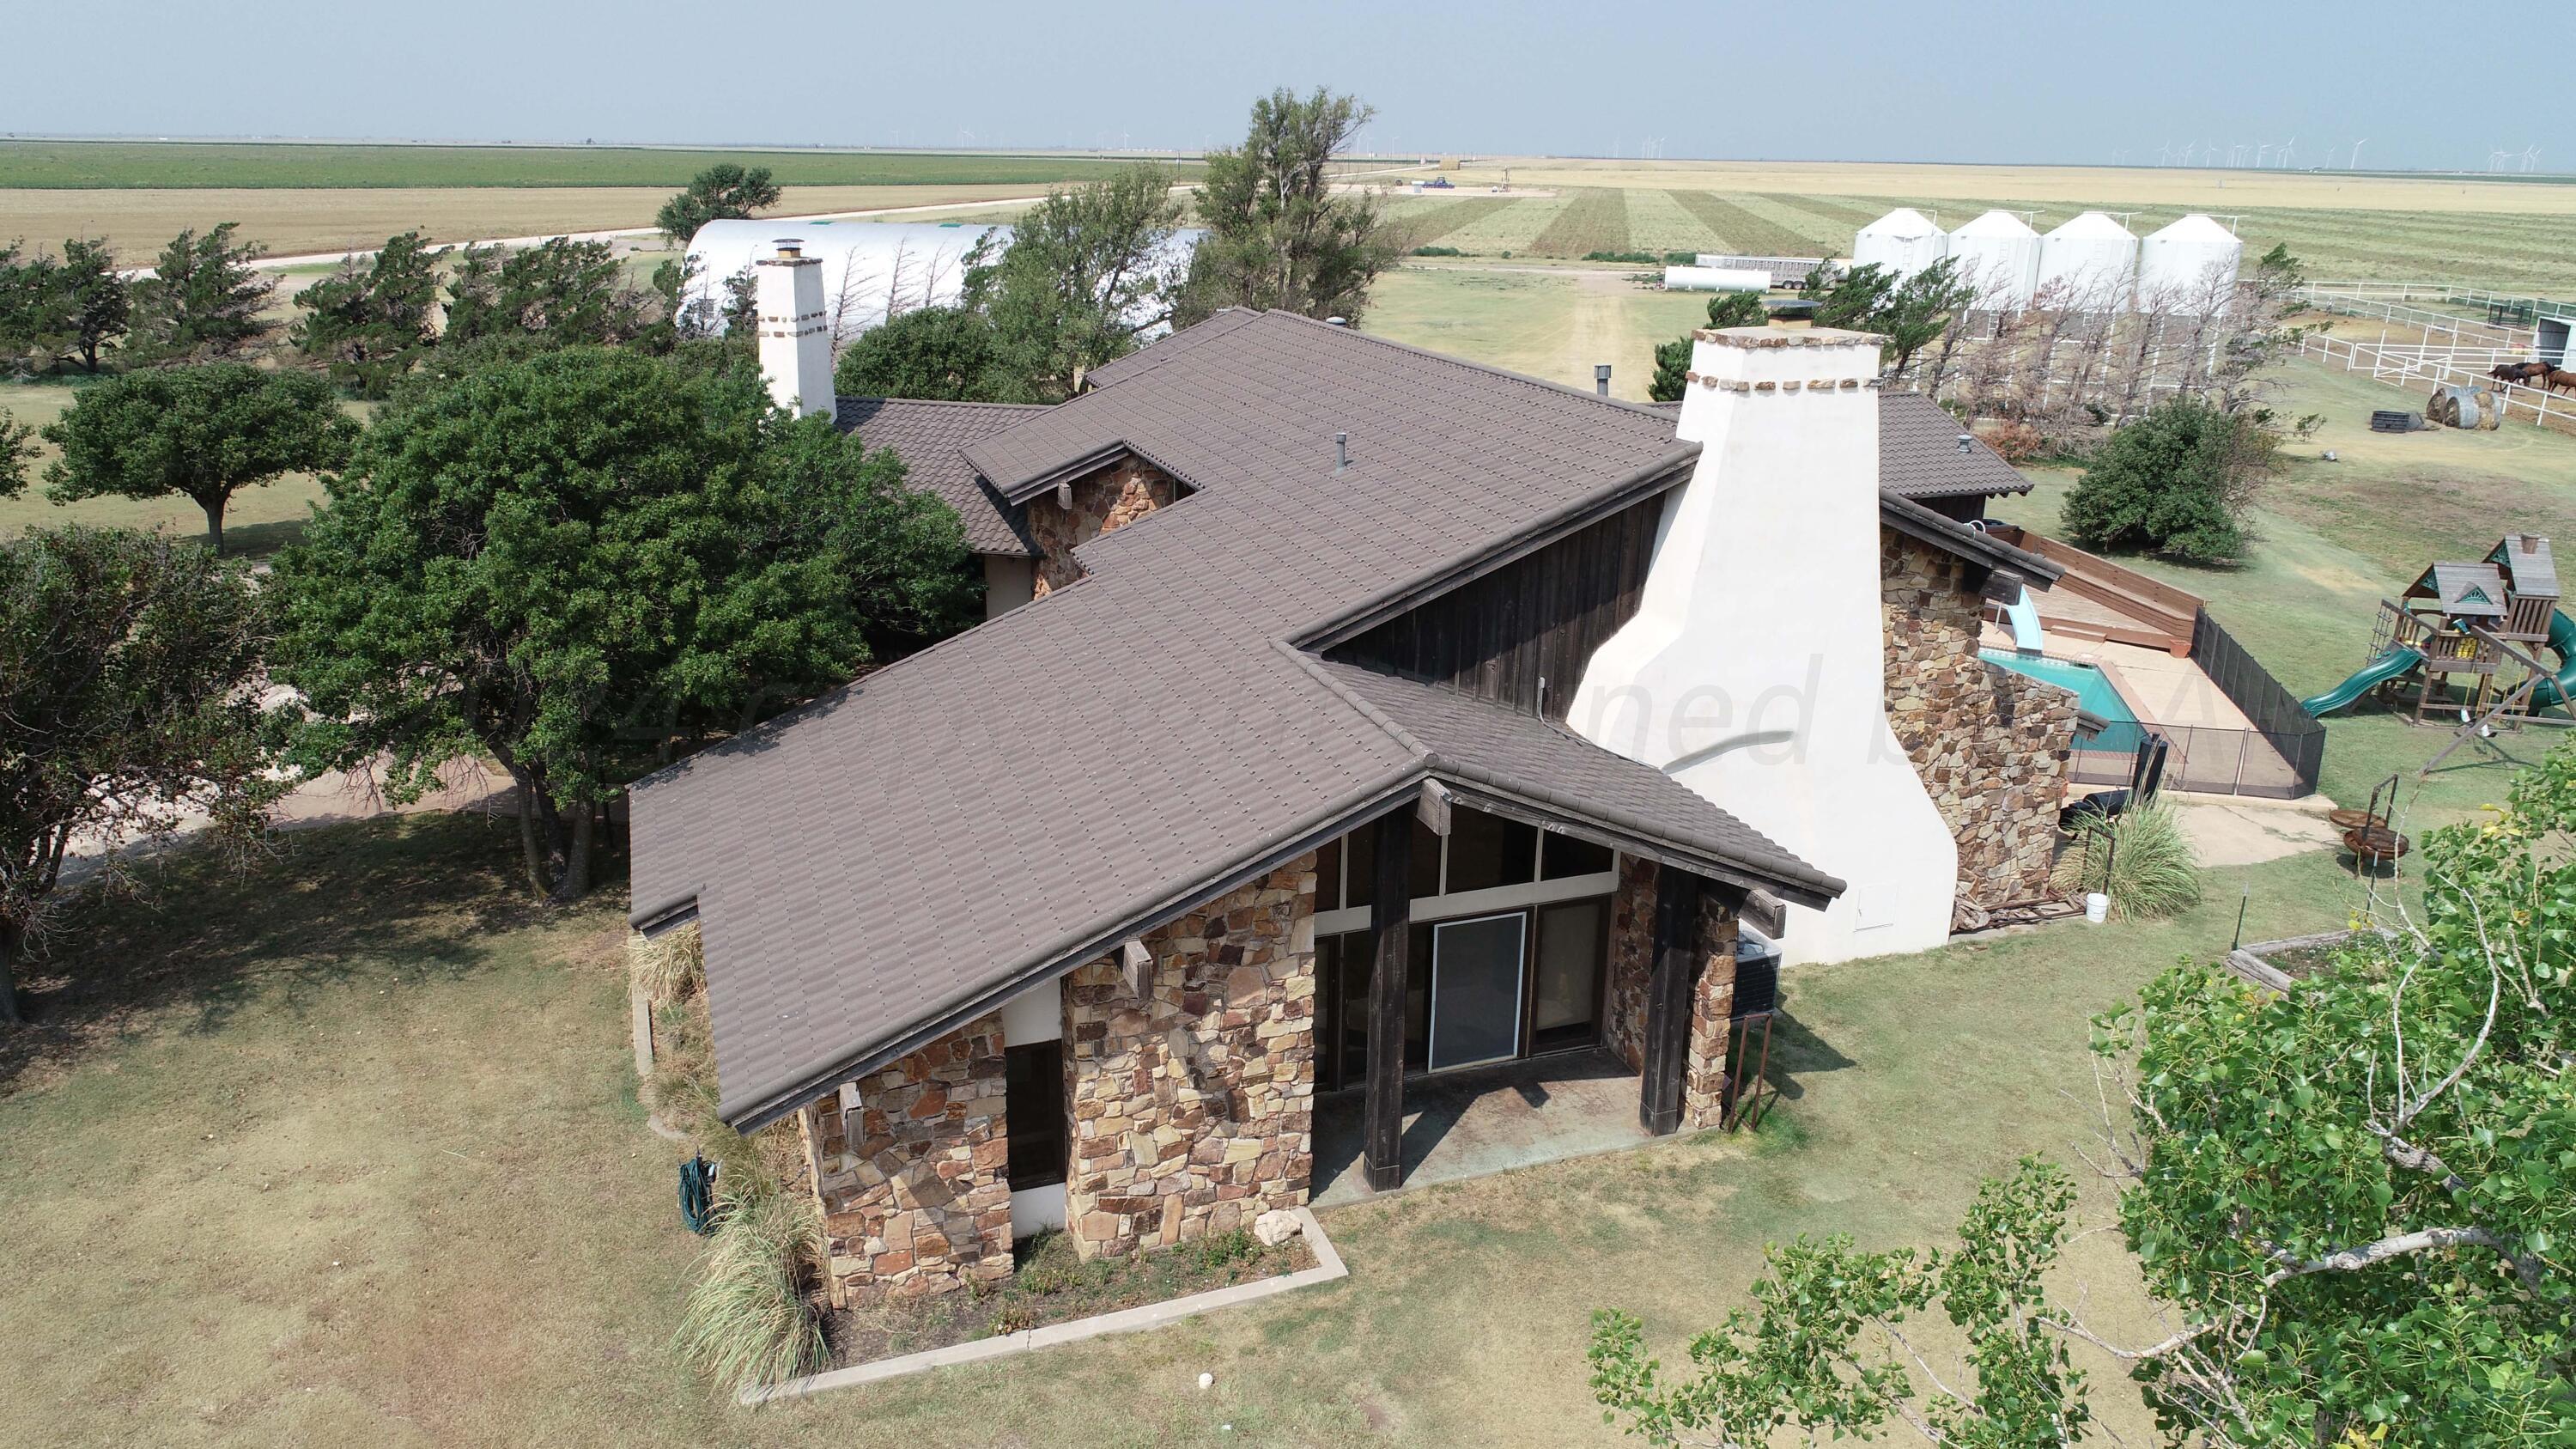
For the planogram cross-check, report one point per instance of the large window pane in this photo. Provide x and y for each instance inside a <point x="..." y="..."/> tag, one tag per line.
<point x="1486" y="851"/>
<point x="1571" y="939"/>
<point x="1476" y="990"/>
<point x="1563" y="856"/>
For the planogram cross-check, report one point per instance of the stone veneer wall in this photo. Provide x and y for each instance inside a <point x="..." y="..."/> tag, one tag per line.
<point x="1102" y="503"/>
<point x="1631" y="964"/>
<point x="911" y="1166"/>
<point x="1712" y="1012"/>
<point x="1990" y="744"/>
<point x="1193" y="1106"/>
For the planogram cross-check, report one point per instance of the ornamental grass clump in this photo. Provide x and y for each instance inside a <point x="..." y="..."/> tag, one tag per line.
<point x="667" y="967"/>
<point x="750" y="1320"/>
<point x="2151" y="869"/>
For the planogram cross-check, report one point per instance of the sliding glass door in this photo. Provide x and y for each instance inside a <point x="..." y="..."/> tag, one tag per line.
<point x="1476" y="969"/>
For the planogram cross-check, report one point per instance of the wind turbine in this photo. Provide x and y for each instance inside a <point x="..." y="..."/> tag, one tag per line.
<point x="2190" y="151"/>
<point x="2287" y="147"/>
<point x="2164" y="154"/>
<point x="2530" y="157"/>
<point x="2261" y="151"/>
<point x="2355" y="163"/>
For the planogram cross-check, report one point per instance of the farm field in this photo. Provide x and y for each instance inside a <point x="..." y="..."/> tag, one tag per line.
<point x="343" y="1148"/>
<point x="1547" y="322"/>
<point x="292" y="222"/>
<point x="151" y="165"/>
<point x="2479" y="232"/>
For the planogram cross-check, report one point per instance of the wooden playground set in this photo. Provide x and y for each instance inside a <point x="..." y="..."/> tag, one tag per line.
<point x="2460" y="646"/>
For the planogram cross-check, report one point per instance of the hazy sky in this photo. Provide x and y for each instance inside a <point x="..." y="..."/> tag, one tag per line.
<point x="1920" y="82"/>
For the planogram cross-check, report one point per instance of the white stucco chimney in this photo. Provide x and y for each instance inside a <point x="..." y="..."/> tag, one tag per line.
<point x="1755" y="671"/>
<point x="795" y="340"/>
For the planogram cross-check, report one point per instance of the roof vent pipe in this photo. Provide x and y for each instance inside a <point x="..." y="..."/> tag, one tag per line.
<point x="1967" y="442"/>
<point x="1341" y="451"/>
<point x="1601" y="378"/>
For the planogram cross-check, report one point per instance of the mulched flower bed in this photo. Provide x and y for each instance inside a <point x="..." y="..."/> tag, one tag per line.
<point x="1051" y="1284"/>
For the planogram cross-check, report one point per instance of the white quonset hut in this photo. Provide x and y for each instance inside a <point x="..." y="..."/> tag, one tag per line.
<point x="1999" y="254"/>
<point x="870" y="270"/>
<point x="1901" y="243"/>
<point x="2189" y="264"/>
<point x="2087" y="264"/>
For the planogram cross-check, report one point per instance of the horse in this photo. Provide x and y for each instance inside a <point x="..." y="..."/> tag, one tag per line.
<point x="2558" y="379"/>
<point x="2519" y="371"/>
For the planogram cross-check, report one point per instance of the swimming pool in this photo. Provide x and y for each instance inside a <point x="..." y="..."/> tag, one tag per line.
<point x="2094" y="694"/>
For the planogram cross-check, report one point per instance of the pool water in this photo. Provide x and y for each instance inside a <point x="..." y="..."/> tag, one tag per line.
<point x="2093" y="690"/>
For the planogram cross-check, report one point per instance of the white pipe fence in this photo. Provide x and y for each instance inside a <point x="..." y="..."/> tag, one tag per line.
<point x="2421" y="366"/>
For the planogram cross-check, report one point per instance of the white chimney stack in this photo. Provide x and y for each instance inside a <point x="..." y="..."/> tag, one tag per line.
<point x="795" y="340"/>
<point x="1755" y="669"/>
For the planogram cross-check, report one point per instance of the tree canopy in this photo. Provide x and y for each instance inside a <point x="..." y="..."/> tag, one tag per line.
<point x="579" y="562"/>
<point x="722" y="191"/>
<point x="2352" y="1199"/>
<point x="369" y="322"/>
<point x="203" y="300"/>
<point x="56" y="309"/>
<point x="17" y="451"/>
<point x="1672" y="359"/>
<point x="1088" y="269"/>
<point x="129" y="673"/>
<point x="560" y="290"/>
<point x="2179" y="481"/>
<point x="947" y="354"/>
<point x="1278" y="234"/>
<point x="203" y="432"/>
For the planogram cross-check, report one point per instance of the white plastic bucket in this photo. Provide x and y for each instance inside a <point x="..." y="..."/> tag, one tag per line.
<point x="2097" y="907"/>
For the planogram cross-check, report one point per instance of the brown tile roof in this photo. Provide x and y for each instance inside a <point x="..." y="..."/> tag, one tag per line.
<point x="931" y="438"/>
<point x="916" y="847"/>
<point x="1919" y="457"/>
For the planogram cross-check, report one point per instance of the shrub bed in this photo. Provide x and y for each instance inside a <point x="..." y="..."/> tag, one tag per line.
<point x="1052" y="1284"/>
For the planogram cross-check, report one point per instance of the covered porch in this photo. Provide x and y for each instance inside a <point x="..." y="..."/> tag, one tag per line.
<point x="1459" y="1125"/>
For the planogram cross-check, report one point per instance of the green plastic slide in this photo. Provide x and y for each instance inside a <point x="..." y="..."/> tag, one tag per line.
<point x="2560" y="687"/>
<point x="2377" y="672"/>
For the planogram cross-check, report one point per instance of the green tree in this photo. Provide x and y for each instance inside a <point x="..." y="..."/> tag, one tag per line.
<point x="561" y="290"/>
<point x="129" y="681"/>
<point x="1850" y="299"/>
<point x="17" y="451"/>
<point x="1278" y="235"/>
<point x="204" y="432"/>
<point x="2179" y="481"/>
<point x="1087" y="270"/>
<point x="1918" y="310"/>
<point x="204" y="299"/>
<point x="369" y="322"/>
<point x="722" y="191"/>
<point x="56" y="309"/>
<point x="1672" y="359"/>
<point x="579" y="562"/>
<point x="2353" y="1198"/>
<point x="948" y="354"/>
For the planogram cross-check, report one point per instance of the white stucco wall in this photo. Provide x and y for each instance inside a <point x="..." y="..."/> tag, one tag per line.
<point x="795" y="336"/>
<point x="1754" y="671"/>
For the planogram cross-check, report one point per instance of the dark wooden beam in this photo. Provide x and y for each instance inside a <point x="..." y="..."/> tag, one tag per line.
<point x="1668" y="998"/>
<point x="1390" y="928"/>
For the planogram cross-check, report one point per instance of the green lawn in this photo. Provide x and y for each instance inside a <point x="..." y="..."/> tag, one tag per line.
<point x="345" y="1149"/>
<point x="148" y="164"/>
<point x="2336" y="538"/>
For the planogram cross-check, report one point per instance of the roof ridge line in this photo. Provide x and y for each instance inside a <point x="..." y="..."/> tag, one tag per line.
<point x="943" y="402"/>
<point x="1314" y="667"/>
<point x="1488" y="369"/>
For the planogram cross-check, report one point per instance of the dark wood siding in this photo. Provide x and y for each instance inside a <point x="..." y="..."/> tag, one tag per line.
<point x="1538" y="618"/>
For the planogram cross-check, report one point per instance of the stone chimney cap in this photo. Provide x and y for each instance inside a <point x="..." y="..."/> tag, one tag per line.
<point x="790" y="249"/>
<point x="1787" y="337"/>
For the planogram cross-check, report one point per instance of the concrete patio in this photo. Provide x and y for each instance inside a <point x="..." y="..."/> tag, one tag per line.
<point x="1467" y="1124"/>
